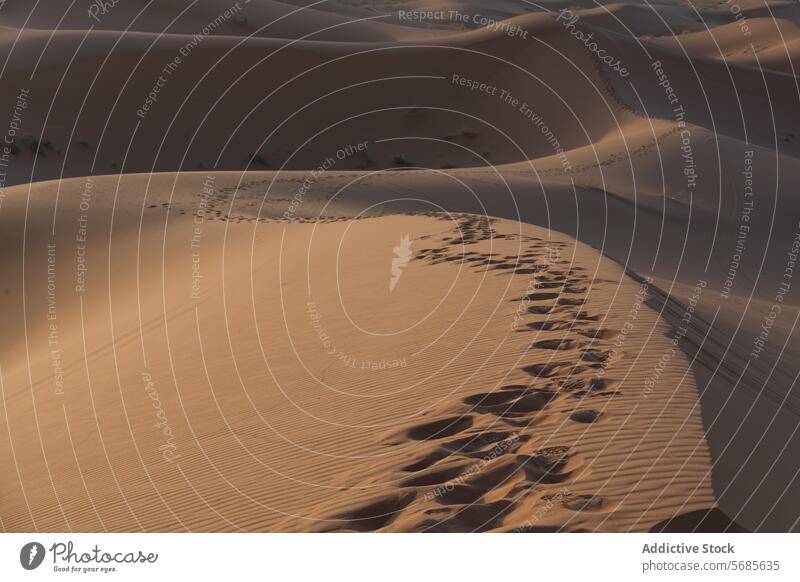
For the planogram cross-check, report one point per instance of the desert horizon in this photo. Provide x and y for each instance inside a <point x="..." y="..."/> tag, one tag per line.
<point x="447" y="266"/>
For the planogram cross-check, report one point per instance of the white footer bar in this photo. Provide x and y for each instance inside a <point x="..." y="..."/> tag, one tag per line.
<point x="398" y="557"/>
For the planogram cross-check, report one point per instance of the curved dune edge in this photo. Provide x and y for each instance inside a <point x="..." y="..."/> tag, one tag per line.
<point x="270" y="431"/>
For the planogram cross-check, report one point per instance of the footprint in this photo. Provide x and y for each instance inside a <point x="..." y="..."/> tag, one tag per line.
<point x="544" y="296"/>
<point x="542" y="370"/>
<point x="376" y="514"/>
<point x="572" y="384"/>
<point x="553" y="278"/>
<point x="549" y="325"/>
<point x="583" y="502"/>
<point x="484" y="481"/>
<point x="426" y="461"/>
<point x="571" y="301"/>
<point x="541" y="309"/>
<point x="440" y="428"/>
<point x="527" y="404"/>
<point x="591" y="355"/>
<point x="503" y="266"/>
<point x="584" y="316"/>
<point x="585" y="416"/>
<point x="556" y="344"/>
<point x="496" y="473"/>
<point x="461" y="495"/>
<point x="510" y="402"/>
<point x="476" y="517"/>
<point x="548" y="465"/>
<point x="478" y="443"/>
<point x="594" y="387"/>
<point x="580" y="369"/>
<point x="600" y="384"/>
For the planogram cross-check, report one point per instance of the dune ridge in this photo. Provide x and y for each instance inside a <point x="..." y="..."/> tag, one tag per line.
<point x="565" y="407"/>
<point x="204" y="201"/>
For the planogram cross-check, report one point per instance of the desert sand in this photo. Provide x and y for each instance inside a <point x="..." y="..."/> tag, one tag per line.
<point x="399" y="266"/>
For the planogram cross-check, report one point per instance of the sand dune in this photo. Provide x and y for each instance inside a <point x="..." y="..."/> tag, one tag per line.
<point x="770" y="44"/>
<point x="263" y="19"/>
<point x="541" y="412"/>
<point x="399" y="266"/>
<point x="136" y="89"/>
